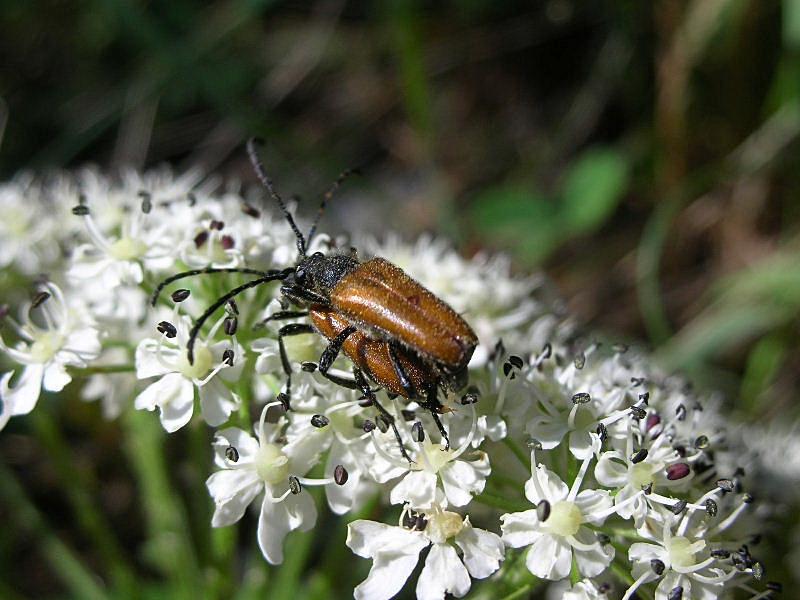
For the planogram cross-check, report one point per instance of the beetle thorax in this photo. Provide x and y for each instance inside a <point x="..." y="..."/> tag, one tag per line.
<point x="319" y="273"/>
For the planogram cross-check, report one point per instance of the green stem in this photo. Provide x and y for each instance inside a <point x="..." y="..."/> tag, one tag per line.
<point x="82" y="490"/>
<point x="100" y="369"/>
<point x="523" y="457"/>
<point x="494" y="501"/>
<point x="80" y="582"/>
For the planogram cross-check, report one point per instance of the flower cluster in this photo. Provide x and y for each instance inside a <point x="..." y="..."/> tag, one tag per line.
<point x="576" y="456"/>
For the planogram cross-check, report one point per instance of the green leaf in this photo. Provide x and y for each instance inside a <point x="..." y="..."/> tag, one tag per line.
<point x="592" y="189"/>
<point x="791" y="23"/>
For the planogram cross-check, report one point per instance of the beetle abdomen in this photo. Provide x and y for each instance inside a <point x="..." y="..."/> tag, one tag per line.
<point x="380" y="296"/>
<point x="372" y="356"/>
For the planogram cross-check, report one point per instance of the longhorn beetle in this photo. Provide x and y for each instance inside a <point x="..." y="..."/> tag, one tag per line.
<point x="394" y="331"/>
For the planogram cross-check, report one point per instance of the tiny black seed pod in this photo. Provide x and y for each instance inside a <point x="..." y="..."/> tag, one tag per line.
<point x="168" y="329"/>
<point x="417" y="432"/>
<point x="319" y="421"/>
<point x="726" y="485"/>
<point x="603" y="539"/>
<point x="677" y="471"/>
<point x="644" y="397"/>
<point x="228" y="356"/>
<point x="200" y="239"/>
<point x="308" y="366"/>
<point x="232" y="454"/>
<point x="283" y="398"/>
<point x="469" y="398"/>
<point x="701" y="443"/>
<point x="711" y="508"/>
<point x="408" y="415"/>
<point x="637" y="412"/>
<point x="675" y="593"/>
<point x="340" y="475"/>
<point x="602" y="432"/>
<point x="39" y="299"/>
<point x="547" y="350"/>
<point x="420" y="523"/>
<point x="218" y="225"/>
<point x="180" y="295"/>
<point x="231" y="324"/>
<point x="231" y="307"/>
<point x="657" y="566"/>
<point x="581" y="398"/>
<point x="639" y="456"/>
<point x="758" y="571"/>
<point x="369" y="426"/>
<point x="680" y="412"/>
<point x="250" y="210"/>
<point x="533" y="444"/>
<point x="294" y="485"/>
<point x="747" y="498"/>
<point x="543" y="511"/>
<point x="81" y="210"/>
<point x="580" y="360"/>
<point x="147" y="202"/>
<point x="679" y="507"/>
<point x="516" y="361"/>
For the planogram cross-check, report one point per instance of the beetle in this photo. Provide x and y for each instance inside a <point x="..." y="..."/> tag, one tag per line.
<point x="395" y="331"/>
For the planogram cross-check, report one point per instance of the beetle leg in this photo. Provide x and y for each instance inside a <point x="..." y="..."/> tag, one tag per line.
<point x="345" y="383"/>
<point x="295" y="293"/>
<point x="286" y="331"/>
<point x="369" y="394"/>
<point x="432" y="404"/>
<point x="280" y="316"/>
<point x="332" y="351"/>
<point x="405" y="382"/>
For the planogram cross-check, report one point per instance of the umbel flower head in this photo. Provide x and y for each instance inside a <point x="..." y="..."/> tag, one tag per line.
<point x="566" y="461"/>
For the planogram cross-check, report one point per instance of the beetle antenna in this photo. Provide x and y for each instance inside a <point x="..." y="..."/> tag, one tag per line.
<point x="207" y="271"/>
<point x="269" y="276"/>
<point x="258" y="166"/>
<point x="326" y="198"/>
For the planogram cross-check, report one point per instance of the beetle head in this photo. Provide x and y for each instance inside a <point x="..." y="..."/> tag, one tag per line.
<point x="316" y="275"/>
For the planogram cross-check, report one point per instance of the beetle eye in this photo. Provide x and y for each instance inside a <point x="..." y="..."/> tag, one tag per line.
<point x="300" y="275"/>
<point x="317" y="255"/>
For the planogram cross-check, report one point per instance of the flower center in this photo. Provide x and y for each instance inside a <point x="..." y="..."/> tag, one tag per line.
<point x="272" y="465"/>
<point x="435" y="457"/>
<point x="682" y="551"/>
<point x="203" y="361"/>
<point x="584" y="419"/>
<point x="565" y="518"/>
<point x="640" y="475"/>
<point x="46" y="345"/>
<point x="302" y="348"/>
<point x="127" y="249"/>
<point x="442" y="526"/>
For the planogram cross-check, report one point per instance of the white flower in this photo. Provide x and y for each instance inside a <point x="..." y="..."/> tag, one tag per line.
<point x="556" y="528"/>
<point x="173" y="393"/>
<point x="65" y="337"/>
<point x="251" y="466"/>
<point x="395" y="550"/>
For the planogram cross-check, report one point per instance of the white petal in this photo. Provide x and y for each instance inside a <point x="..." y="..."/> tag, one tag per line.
<point x="387" y="576"/>
<point x="520" y="528"/>
<point x="417" y="487"/>
<point x="85" y="340"/>
<point x="548" y="432"/>
<point x="442" y="573"/>
<point x="580" y="444"/>
<point x="609" y="472"/>
<point x="22" y="398"/>
<point x="278" y="519"/>
<point x="370" y="538"/>
<point x="55" y="377"/>
<point x="174" y="395"/>
<point x="550" y="557"/>
<point x="461" y="479"/>
<point x="483" y="551"/>
<point x="232" y="491"/>
<point x="341" y="498"/>
<point x="246" y="445"/>
<point x="593" y="503"/>
<point x="670" y="581"/>
<point x="147" y="363"/>
<point x="549" y="483"/>
<point x="592" y="562"/>
<point x="217" y="402"/>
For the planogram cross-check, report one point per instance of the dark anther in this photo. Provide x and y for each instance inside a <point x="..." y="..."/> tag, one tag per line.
<point x="227" y="242"/>
<point x="774" y="586"/>
<point x="308" y="366"/>
<point x="604" y="587"/>
<point x="365" y="402"/>
<point x="547" y="350"/>
<point x="340" y="475"/>
<point x="581" y="398"/>
<point x="637" y="381"/>
<point x="180" y="295"/>
<point x="679" y="507"/>
<point x="200" y="239"/>
<point x="408" y="415"/>
<point x="644" y="398"/>
<point x="720" y="553"/>
<point x="602" y="432"/>
<point x="711" y="508"/>
<point x="639" y="455"/>
<point x="758" y="571"/>
<point x="747" y="498"/>
<point x="516" y="361"/>
<point x="167" y="328"/>
<point x="543" y="511"/>
<point x="283" y="398"/>
<point x="653" y="420"/>
<point x="533" y="444"/>
<point x="675" y="593"/>
<point x="230" y="325"/>
<point x="619" y="348"/>
<point x="383" y="423"/>
<point x="294" y="485"/>
<point x="677" y="471"/>
<point x="192" y="198"/>
<point x="657" y="566"/>
<point x="726" y="485"/>
<point x="250" y="210"/>
<point x="218" y="225"/>
<point x="232" y="454"/>
<point x="680" y="412"/>
<point x="420" y="523"/>
<point x="580" y="360"/>
<point x="603" y="539"/>
<point x="227" y="356"/>
<point x="701" y="443"/>
<point x="147" y="202"/>
<point x="231" y="307"/>
<point x="417" y="432"/>
<point x="469" y="398"/>
<point x="319" y="421"/>
<point x="39" y="299"/>
<point x="368" y="426"/>
<point x="648" y="489"/>
<point x="508" y="370"/>
<point x="80" y="211"/>
<point x="637" y="412"/>
<point x="681" y="450"/>
<point x="409" y="519"/>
